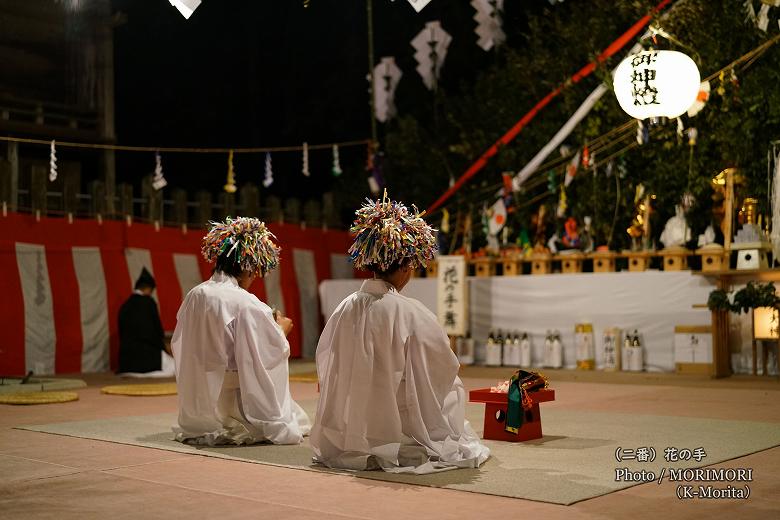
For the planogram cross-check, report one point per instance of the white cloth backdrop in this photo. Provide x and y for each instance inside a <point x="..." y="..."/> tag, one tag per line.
<point x="652" y="302"/>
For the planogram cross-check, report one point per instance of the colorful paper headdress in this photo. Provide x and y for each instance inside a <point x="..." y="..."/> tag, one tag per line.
<point x="245" y="239"/>
<point x="387" y="234"/>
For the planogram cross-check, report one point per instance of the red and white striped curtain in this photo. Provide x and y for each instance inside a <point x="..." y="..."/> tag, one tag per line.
<point x="61" y="286"/>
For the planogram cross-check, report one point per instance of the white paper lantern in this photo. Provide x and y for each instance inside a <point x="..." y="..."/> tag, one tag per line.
<point x="657" y="84"/>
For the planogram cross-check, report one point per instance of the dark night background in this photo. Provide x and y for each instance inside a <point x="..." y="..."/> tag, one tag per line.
<point x="272" y="73"/>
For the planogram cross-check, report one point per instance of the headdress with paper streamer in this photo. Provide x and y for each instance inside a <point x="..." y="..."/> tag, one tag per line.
<point x="245" y="239"/>
<point x="388" y="234"/>
<point x="430" y="47"/>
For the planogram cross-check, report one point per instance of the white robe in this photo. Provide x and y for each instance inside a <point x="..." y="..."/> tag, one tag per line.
<point x="390" y="395"/>
<point x="231" y="369"/>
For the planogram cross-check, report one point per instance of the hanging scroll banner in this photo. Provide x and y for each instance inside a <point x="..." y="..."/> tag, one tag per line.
<point x="452" y="299"/>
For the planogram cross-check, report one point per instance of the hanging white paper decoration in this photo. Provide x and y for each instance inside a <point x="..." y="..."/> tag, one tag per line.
<point x="185" y="7"/>
<point x="158" y="182"/>
<point x="656" y="84"/>
<point x="386" y="78"/>
<point x="53" y="162"/>
<point x="230" y="185"/>
<point x="488" y="18"/>
<point x="336" y="170"/>
<point x="269" y="173"/>
<point x="419" y="4"/>
<point x="305" y="169"/>
<point x="373" y="185"/>
<point x="430" y="47"/>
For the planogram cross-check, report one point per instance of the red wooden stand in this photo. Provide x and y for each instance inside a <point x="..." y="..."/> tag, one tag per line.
<point x="495" y="415"/>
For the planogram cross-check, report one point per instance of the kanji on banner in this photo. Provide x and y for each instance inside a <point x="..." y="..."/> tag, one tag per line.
<point x="452" y="307"/>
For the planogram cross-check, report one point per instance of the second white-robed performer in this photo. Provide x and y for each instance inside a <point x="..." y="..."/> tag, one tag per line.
<point x="231" y="351"/>
<point x="390" y="395"/>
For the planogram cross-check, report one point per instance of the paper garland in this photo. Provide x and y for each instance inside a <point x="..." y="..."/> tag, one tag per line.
<point x="269" y="173"/>
<point x="158" y="182"/>
<point x="53" y="162"/>
<point x="336" y="169"/>
<point x="230" y="186"/>
<point x="305" y="169"/>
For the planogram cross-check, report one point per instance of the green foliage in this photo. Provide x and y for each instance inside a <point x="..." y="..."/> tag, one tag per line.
<point x="428" y="145"/>
<point x="752" y="296"/>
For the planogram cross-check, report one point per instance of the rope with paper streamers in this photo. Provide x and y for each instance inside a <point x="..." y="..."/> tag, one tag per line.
<point x="305" y="169"/>
<point x="163" y="149"/>
<point x="230" y="185"/>
<point x="53" y="162"/>
<point x="269" y="172"/>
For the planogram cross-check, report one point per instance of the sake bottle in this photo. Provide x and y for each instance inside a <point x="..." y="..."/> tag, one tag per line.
<point x="637" y="356"/>
<point x="547" y="357"/>
<point x="525" y="351"/>
<point x="515" y="357"/>
<point x="627" y="352"/>
<point x="482" y="349"/>
<point x="556" y="351"/>
<point x="493" y="350"/>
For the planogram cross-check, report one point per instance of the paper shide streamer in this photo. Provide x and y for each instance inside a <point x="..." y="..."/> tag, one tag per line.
<point x="269" y="173"/>
<point x="230" y="185"/>
<point x="336" y="169"/>
<point x="158" y="182"/>
<point x="53" y="162"/>
<point x="305" y="169"/>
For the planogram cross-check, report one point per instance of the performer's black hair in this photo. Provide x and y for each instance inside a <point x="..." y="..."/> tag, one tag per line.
<point x="395" y="266"/>
<point x="228" y="265"/>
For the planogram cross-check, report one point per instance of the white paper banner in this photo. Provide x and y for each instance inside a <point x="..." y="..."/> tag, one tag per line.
<point x="452" y="296"/>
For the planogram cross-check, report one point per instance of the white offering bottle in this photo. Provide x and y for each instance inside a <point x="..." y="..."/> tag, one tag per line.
<point x="525" y="351"/>
<point x="556" y="351"/>
<point x="628" y="353"/>
<point x="493" y="350"/>
<point x="511" y="345"/>
<point x="480" y="350"/>
<point x="636" y="363"/>
<point x="547" y="354"/>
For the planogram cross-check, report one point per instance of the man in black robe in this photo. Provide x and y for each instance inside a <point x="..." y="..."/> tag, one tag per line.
<point x="141" y="336"/>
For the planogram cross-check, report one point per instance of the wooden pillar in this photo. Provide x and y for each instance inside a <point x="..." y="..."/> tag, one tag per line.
<point x="228" y="203"/>
<point x="330" y="213"/>
<point x="71" y="185"/>
<point x="274" y="209"/>
<point x="125" y="206"/>
<point x="292" y="210"/>
<point x="98" y="192"/>
<point x="250" y="200"/>
<point x="152" y="205"/>
<point x="179" y="206"/>
<point x="38" y="181"/>
<point x="13" y="184"/>
<point x="204" y="213"/>
<point x="312" y="213"/>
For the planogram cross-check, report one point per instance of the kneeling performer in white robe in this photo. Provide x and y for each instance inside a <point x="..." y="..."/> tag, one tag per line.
<point x="390" y="395"/>
<point x="231" y="350"/>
